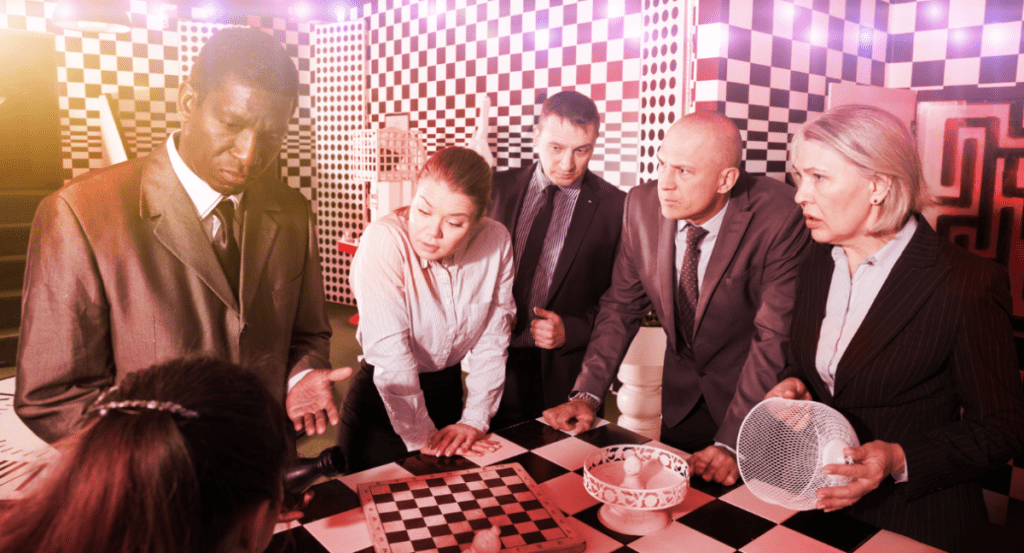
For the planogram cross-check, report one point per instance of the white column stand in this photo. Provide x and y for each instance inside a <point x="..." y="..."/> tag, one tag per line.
<point x="639" y="398"/>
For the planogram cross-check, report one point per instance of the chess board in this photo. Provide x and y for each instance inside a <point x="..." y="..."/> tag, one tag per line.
<point x="23" y="456"/>
<point x="711" y="519"/>
<point x="442" y="513"/>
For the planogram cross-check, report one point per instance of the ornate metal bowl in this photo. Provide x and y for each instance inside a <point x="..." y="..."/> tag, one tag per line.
<point x="664" y="478"/>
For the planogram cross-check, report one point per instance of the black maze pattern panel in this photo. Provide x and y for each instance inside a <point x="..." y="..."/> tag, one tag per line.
<point x="972" y="161"/>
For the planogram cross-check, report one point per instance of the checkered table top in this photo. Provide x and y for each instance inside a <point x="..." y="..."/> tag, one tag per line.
<point x="711" y="519"/>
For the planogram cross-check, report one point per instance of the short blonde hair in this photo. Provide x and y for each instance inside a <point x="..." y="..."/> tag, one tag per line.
<point x="878" y="143"/>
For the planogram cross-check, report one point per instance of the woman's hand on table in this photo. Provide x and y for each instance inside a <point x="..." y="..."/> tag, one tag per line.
<point x="459" y="439"/>
<point x="872" y="462"/>
<point x="790" y="388"/>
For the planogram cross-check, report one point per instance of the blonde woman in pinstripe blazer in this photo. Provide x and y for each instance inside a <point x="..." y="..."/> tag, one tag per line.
<point x="904" y="333"/>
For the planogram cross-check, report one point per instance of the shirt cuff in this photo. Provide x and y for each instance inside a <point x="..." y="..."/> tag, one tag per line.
<point x="901" y="476"/>
<point x="477" y="420"/>
<point x="296" y="378"/>
<point x="720" y="445"/>
<point x="416" y="437"/>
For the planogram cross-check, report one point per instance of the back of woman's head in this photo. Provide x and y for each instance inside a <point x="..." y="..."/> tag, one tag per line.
<point x="464" y="171"/>
<point x="172" y="462"/>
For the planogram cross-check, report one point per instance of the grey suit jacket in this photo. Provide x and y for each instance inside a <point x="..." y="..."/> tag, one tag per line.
<point x="936" y="339"/>
<point x="743" y="314"/>
<point x="121" y="275"/>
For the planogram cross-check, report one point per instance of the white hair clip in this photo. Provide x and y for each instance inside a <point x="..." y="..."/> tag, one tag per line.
<point x="142" y="404"/>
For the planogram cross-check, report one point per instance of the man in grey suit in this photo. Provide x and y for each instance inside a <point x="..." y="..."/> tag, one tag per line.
<point x="194" y="249"/>
<point x="718" y="265"/>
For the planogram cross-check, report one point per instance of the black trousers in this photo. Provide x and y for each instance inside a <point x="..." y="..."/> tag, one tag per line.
<point x="367" y="436"/>
<point x="523" y="398"/>
<point x="695" y="432"/>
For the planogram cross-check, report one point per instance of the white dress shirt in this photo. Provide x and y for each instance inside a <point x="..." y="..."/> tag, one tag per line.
<point x="707" y="245"/>
<point x="422" y="316"/>
<point x="850" y="298"/>
<point x="204" y="198"/>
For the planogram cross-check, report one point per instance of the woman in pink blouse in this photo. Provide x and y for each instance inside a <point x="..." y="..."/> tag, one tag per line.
<point x="433" y="283"/>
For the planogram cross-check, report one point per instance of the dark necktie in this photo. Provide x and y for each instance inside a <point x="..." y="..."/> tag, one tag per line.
<point x="225" y="245"/>
<point x="686" y="298"/>
<point x="523" y="284"/>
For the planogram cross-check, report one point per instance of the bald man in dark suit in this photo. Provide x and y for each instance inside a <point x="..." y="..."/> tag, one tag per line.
<point x="723" y="291"/>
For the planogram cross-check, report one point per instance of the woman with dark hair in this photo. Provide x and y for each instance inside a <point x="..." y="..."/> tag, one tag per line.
<point x="433" y="283"/>
<point x="904" y="333"/>
<point x="186" y="456"/>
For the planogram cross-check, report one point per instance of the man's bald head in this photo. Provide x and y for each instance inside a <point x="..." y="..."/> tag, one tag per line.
<point x="698" y="164"/>
<point x="718" y="133"/>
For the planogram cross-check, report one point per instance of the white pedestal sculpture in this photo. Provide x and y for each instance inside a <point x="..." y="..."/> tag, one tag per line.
<point x="639" y="398"/>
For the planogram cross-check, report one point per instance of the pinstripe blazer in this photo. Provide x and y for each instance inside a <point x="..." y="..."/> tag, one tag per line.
<point x="937" y="339"/>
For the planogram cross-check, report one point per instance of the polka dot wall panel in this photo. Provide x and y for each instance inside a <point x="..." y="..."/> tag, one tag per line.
<point x="340" y="113"/>
<point x="663" y="94"/>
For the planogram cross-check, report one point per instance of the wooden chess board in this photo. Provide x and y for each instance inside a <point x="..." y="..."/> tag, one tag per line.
<point x="711" y="519"/>
<point x="443" y="512"/>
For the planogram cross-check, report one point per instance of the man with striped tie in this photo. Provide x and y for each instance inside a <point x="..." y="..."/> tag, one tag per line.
<point x="715" y="253"/>
<point x="565" y="223"/>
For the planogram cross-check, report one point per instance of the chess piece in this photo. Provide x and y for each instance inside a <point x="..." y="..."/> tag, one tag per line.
<point x="486" y="541"/>
<point x="305" y="470"/>
<point x="631" y="466"/>
<point x="478" y="142"/>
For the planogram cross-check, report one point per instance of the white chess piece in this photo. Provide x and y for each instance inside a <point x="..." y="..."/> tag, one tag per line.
<point x="631" y="466"/>
<point x="486" y="541"/>
<point x="478" y="142"/>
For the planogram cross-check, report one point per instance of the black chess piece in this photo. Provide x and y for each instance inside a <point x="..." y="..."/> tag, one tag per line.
<point x="301" y="474"/>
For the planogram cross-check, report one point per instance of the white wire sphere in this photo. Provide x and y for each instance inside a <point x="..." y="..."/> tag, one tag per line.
<point x="783" y="445"/>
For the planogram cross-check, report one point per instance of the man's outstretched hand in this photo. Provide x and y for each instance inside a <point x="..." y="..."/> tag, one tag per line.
<point x="310" y="403"/>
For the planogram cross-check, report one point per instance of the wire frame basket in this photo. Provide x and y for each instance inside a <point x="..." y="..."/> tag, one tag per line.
<point x="783" y="445"/>
<point x="387" y="155"/>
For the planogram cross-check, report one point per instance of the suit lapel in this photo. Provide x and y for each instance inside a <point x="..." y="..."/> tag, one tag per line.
<point x="259" y="230"/>
<point x="582" y="215"/>
<point x="909" y="285"/>
<point x="172" y="217"/>
<point x="734" y="225"/>
<point x="813" y="285"/>
<point x="666" y="274"/>
<point x="516" y="195"/>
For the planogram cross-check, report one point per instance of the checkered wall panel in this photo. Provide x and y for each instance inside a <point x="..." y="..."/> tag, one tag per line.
<point x="142" y="70"/>
<point x="768" y="66"/>
<point x="434" y="60"/>
<point x="139" y="70"/>
<point x="955" y="45"/>
<point x="340" y="106"/>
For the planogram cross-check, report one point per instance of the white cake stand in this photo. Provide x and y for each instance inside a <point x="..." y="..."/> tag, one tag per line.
<point x="664" y="478"/>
